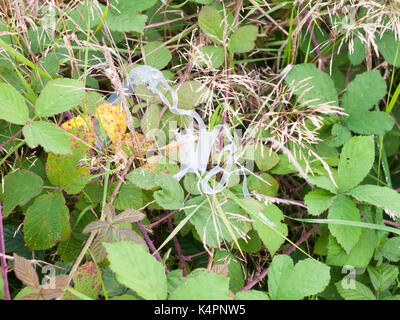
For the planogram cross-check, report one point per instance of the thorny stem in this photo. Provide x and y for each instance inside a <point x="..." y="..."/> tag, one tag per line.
<point x="157" y="222"/>
<point x="4" y="267"/>
<point x="150" y="243"/>
<point x="178" y="248"/>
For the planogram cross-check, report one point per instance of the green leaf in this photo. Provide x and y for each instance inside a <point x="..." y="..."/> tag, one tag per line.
<point x="46" y="222"/>
<point x="171" y="196"/>
<point x="19" y="187"/>
<point x="358" y="54"/>
<point x="320" y="87"/>
<point x="210" y="55"/>
<point x="235" y="273"/>
<point x="202" y="285"/>
<point x="210" y="225"/>
<point x="159" y="58"/>
<point x="129" y="196"/>
<point x="375" y="122"/>
<point x="363" y="92"/>
<point x="382" y="276"/>
<point x="265" y="158"/>
<point x="344" y="208"/>
<point x="2" y="294"/>
<point x="391" y="249"/>
<point x="150" y="119"/>
<point x="358" y="257"/>
<point x="87" y="279"/>
<point x="255" y="184"/>
<point x="323" y="182"/>
<point x="389" y="47"/>
<point x="382" y="197"/>
<point x="252" y="295"/>
<point x="59" y="95"/>
<point x="137" y="5"/>
<point x="51" y="137"/>
<point x="289" y="282"/>
<point x="356" y="160"/>
<point x="359" y="292"/>
<point x="137" y="269"/>
<point x="12" y="105"/>
<point x="339" y="135"/>
<point x="243" y="39"/>
<point x="126" y="22"/>
<point x="191" y="94"/>
<point x="318" y="200"/>
<point x="143" y="178"/>
<point x="211" y="23"/>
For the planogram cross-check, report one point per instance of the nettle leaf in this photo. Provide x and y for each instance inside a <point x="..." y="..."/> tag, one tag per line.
<point x="19" y="187"/>
<point x="210" y="55"/>
<point x="46" y="222"/>
<point x="252" y="295"/>
<point x="389" y="47"/>
<point x="382" y="276"/>
<point x="391" y="249"/>
<point x="343" y="208"/>
<point x="269" y="189"/>
<point x="366" y="90"/>
<point x="171" y="195"/>
<point x="59" y="95"/>
<point x="202" y="285"/>
<point x="211" y="23"/>
<point x="51" y="137"/>
<point x="150" y="119"/>
<point x="12" y="105"/>
<point x="320" y="87"/>
<point x="370" y="122"/>
<point x="358" y="292"/>
<point x="235" y="273"/>
<point x="289" y="282"/>
<point x="156" y="54"/>
<point x="356" y="160"/>
<point x="210" y="225"/>
<point x="243" y="39"/>
<point x="137" y="269"/>
<point x="25" y="272"/>
<point x="382" y="197"/>
<point x="358" y="257"/>
<point x="318" y="200"/>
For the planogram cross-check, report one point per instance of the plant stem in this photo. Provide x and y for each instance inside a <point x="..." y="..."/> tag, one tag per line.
<point x="4" y="267"/>
<point x="177" y="247"/>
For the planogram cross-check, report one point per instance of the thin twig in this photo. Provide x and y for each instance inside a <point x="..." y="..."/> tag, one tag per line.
<point x="4" y="267"/>
<point x="177" y="247"/>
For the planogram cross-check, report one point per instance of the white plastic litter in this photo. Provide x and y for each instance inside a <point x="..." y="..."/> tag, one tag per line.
<point x="194" y="157"/>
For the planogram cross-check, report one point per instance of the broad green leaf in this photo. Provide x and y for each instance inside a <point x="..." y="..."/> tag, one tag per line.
<point x="358" y="257"/>
<point x="46" y="222"/>
<point x="289" y="282"/>
<point x="318" y="200"/>
<point x="12" y="105"/>
<point x="252" y="243"/>
<point x="382" y="197"/>
<point x="312" y="84"/>
<point x="51" y="137"/>
<point x="243" y="39"/>
<point x="157" y="58"/>
<point x="210" y="225"/>
<point x="358" y="292"/>
<point x="59" y="95"/>
<point x="356" y="160"/>
<point x="358" y="54"/>
<point x="191" y="94"/>
<point x="389" y="47"/>
<point x="171" y="195"/>
<point x="129" y="196"/>
<point x="202" y="286"/>
<point x="252" y="295"/>
<point x="126" y="22"/>
<point x="137" y="5"/>
<point x="364" y="92"/>
<point x="265" y="158"/>
<point x="383" y="276"/>
<point x="19" y="187"/>
<point x="210" y="55"/>
<point x="370" y="122"/>
<point x="235" y="273"/>
<point x="150" y="119"/>
<point x="143" y="178"/>
<point x="137" y="269"/>
<point x="391" y="249"/>
<point x="343" y="208"/>
<point x="323" y="182"/>
<point x="339" y="135"/>
<point x="87" y="279"/>
<point x="269" y="189"/>
<point x="84" y="15"/>
<point x="211" y="23"/>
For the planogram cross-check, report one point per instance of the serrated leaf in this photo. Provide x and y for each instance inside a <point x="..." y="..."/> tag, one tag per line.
<point x="59" y="95"/>
<point x="391" y="249"/>
<point x="318" y="200"/>
<point x="12" y="105"/>
<point x="129" y="196"/>
<point x="359" y="292"/>
<point x="87" y="280"/>
<point x="211" y="23"/>
<point x="46" y="222"/>
<point x="370" y="122"/>
<point x="51" y="137"/>
<point x="343" y="208"/>
<point x="289" y="282"/>
<point x="137" y="269"/>
<point x="389" y="47"/>
<point x="202" y="286"/>
<point x="382" y="197"/>
<point x="19" y="187"/>
<point x="25" y="272"/>
<point x="382" y="276"/>
<point x="356" y="160"/>
<point x="243" y="39"/>
<point x="157" y="58"/>
<point x="319" y="86"/>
